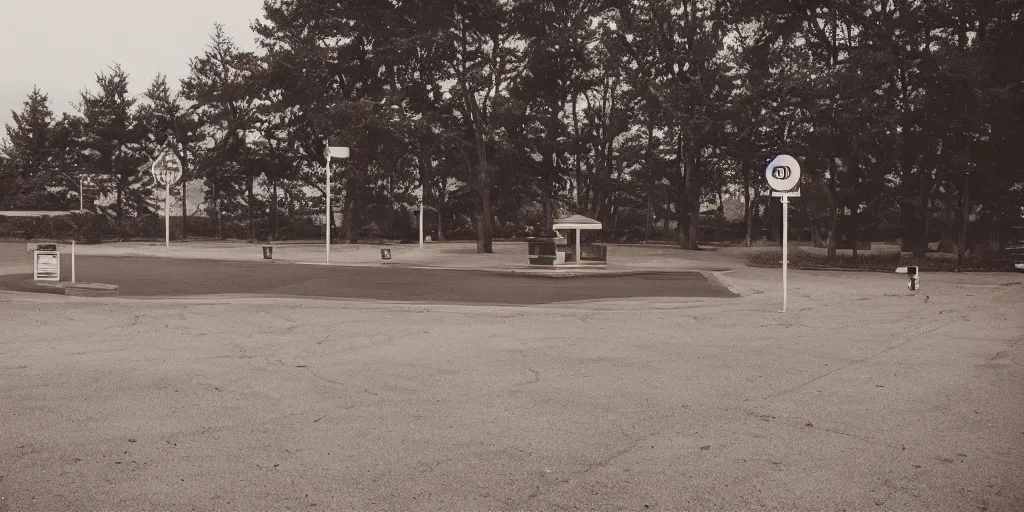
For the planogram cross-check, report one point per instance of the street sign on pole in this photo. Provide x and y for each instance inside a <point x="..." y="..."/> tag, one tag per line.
<point x="331" y="152"/>
<point x="339" y="151"/>
<point x="783" y="175"/>
<point x="167" y="171"/>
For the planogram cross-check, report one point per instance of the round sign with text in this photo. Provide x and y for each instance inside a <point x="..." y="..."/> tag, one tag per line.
<point x="167" y="168"/>
<point x="783" y="173"/>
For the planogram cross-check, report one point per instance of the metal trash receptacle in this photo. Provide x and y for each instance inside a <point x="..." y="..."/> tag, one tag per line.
<point x="268" y="252"/>
<point x="542" y="250"/>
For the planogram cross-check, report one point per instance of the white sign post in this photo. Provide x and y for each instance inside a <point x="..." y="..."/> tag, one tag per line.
<point x="167" y="171"/>
<point x="331" y="152"/>
<point x="783" y="174"/>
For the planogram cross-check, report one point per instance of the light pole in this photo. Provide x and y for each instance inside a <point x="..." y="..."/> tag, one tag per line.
<point x="966" y="214"/>
<point x="331" y="152"/>
<point x="82" y="180"/>
<point x="399" y="112"/>
<point x="421" y="214"/>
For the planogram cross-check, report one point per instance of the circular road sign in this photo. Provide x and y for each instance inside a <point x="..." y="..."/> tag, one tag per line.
<point x="783" y="173"/>
<point x="167" y="168"/>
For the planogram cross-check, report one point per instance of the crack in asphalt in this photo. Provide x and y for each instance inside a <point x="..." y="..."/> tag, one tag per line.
<point x="859" y="361"/>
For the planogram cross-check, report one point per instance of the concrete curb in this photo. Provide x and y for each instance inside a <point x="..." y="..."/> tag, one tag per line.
<point x="825" y="269"/>
<point x="553" y="273"/>
<point x="719" y="278"/>
<point x="80" y="289"/>
<point x="837" y="269"/>
<point x="91" y="290"/>
<point x="558" y="273"/>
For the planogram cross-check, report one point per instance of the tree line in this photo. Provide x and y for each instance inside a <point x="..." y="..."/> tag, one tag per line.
<point x="649" y="115"/>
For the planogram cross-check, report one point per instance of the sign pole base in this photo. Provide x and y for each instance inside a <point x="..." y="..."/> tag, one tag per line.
<point x="327" y="244"/>
<point x="167" y="216"/>
<point x="785" y="251"/>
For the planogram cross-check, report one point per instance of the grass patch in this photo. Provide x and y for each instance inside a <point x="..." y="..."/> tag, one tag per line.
<point x="885" y="262"/>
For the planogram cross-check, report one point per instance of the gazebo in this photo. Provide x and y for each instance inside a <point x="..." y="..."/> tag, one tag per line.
<point x="567" y="248"/>
<point x="574" y="224"/>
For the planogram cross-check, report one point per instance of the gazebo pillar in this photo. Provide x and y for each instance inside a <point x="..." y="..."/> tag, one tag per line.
<point x="575" y="224"/>
<point x="579" y="257"/>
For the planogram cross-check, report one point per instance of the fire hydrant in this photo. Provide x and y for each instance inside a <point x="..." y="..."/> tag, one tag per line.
<point x="915" y="278"/>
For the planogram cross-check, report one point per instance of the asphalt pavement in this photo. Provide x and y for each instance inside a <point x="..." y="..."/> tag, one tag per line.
<point x="151" y="277"/>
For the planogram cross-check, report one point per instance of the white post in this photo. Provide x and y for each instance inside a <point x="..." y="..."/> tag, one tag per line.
<point x="421" y="216"/>
<point x="785" y="249"/>
<point x="578" y="259"/>
<point x="167" y="215"/>
<point x="328" y="230"/>
<point x="72" y="261"/>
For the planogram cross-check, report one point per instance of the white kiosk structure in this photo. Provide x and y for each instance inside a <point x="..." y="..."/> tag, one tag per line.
<point x="572" y="252"/>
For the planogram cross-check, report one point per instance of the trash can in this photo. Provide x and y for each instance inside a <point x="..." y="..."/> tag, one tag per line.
<point x="385" y="254"/>
<point x="268" y="252"/>
<point x="542" y="250"/>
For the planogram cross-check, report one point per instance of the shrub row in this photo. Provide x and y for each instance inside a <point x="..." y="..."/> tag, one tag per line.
<point x="88" y="227"/>
<point x="806" y="260"/>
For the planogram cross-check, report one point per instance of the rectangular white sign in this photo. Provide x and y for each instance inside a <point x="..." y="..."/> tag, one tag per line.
<point x="47" y="266"/>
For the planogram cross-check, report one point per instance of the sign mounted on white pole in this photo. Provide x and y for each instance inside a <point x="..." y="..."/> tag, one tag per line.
<point x="167" y="172"/>
<point x="339" y="151"/>
<point x="783" y="175"/>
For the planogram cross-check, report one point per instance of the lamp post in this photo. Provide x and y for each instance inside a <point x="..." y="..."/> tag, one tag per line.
<point x="82" y="181"/>
<point x="421" y="215"/>
<point x="966" y="214"/>
<point x="396" y="109"/>
<point x="331" y="152"/>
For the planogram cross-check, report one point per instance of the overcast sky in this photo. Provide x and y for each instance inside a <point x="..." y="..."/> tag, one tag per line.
<point x="60" y="45"/>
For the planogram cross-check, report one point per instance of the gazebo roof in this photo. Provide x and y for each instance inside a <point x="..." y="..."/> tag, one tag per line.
<point x="576" y="222"/>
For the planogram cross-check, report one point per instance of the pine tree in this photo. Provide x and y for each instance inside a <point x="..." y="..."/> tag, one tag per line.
<point x="30" y="161"/>
<point x="115" y="144"/>
<point x="220" y="89"/>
